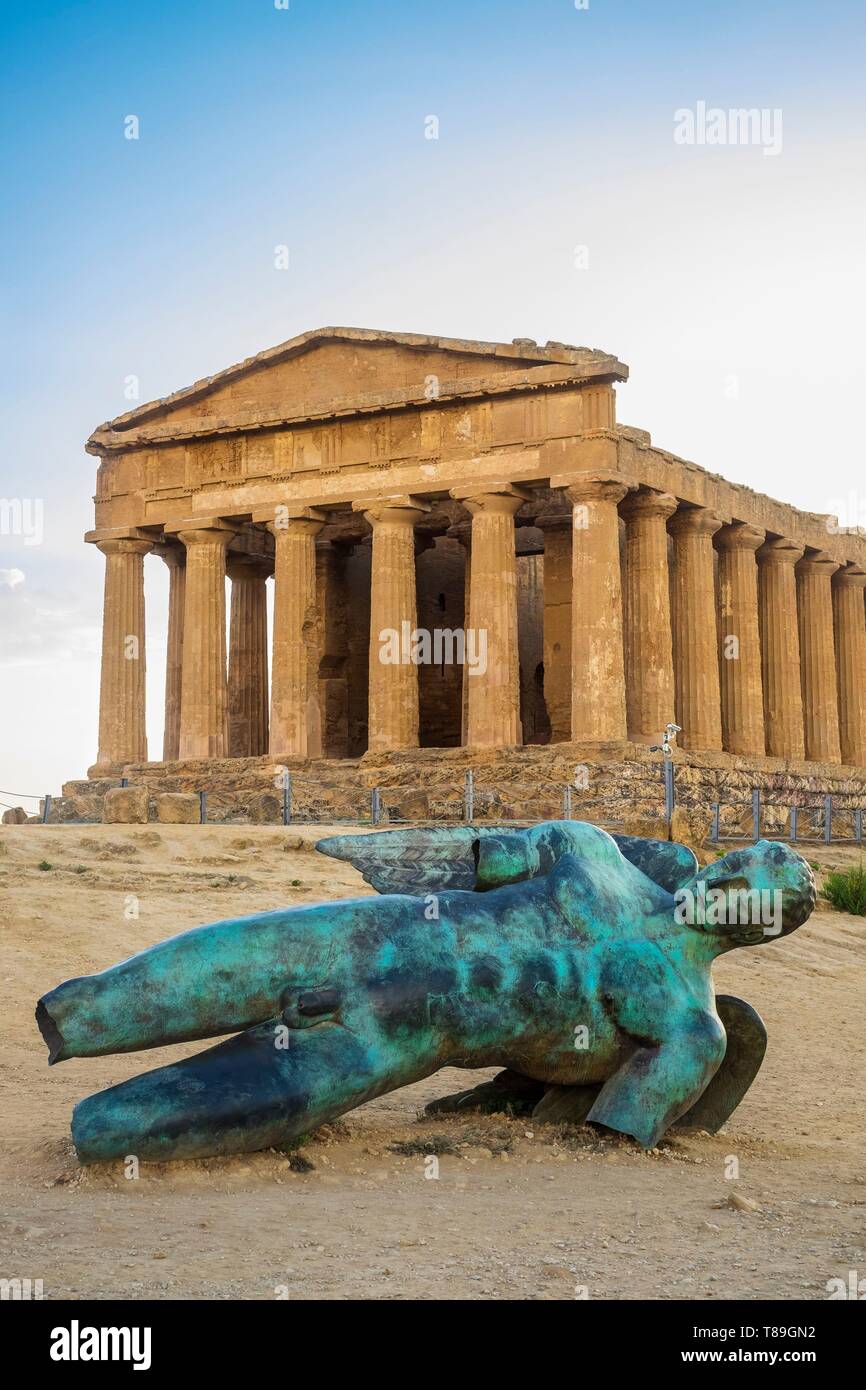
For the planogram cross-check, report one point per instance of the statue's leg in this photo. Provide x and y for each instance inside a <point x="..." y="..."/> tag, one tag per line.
<point x="658" y="1083"/>
<point x="566" y="1105"/>
<point x="258" y="1090"/>
<point x="744" y="1053"/>
<point x="507" y="1091"/>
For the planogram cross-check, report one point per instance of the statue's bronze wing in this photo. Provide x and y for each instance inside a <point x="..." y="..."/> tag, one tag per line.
<point x="433" y="859"/>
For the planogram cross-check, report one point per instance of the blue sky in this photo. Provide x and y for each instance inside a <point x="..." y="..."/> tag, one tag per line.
<point x="732" y="282"/>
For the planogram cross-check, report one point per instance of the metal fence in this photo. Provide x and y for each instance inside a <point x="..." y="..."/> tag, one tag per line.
<point x="807" y="821"/>
<point x="821" y="818"/>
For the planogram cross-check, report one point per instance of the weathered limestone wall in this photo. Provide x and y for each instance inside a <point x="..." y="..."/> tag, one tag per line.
<point x="624" y="787"/>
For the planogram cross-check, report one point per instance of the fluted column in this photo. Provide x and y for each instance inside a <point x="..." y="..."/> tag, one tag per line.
<point x="695" y="631"/>
<point x="739" y="640"/>
<point x="296" y="720"/>
<point x="780" y="648"/>
<point x="393" y="713"/>
<point x="850" y="629"/>
<point x="248" y="656"/>
<point x="557" y="528"/>
<point x="493" y="714"/>
<point x="122" y="734"/>
<point x="818" y="658"/>
<point x="598" y="712"/>
<point x="649" y="661"/>
<point x="175" y="558"/>
<point x="332" y="619"/>
<point x="462" y="532"/>
<point x="203" y="698"/>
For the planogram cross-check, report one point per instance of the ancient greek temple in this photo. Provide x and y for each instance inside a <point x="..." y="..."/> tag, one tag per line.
<point x="465" y="549"/>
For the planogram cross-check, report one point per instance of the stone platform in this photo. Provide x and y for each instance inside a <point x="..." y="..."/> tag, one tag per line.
<point x="618" y="784"/>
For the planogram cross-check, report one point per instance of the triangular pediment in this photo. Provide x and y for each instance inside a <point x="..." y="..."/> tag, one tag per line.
<point x="343" y="369"/>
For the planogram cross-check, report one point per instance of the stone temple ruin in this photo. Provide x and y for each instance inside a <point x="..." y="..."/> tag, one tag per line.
<point x="474" y="566"/>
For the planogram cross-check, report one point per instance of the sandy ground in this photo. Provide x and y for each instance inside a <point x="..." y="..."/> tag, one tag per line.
<point x="518" y="1210"/>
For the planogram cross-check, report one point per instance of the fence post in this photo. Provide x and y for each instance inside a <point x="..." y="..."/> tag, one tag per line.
<point x="469" y="796"/>
<point x="566" y="801"/>
<point x="670" y="796"/>
<point x="858" y="827"/>
<point x="828" y="818"/>
<point x="714" y="828"/>
<point x="793" y="825"/>
<point x="375" y="806"/>
<point x="756" y="813"/>
<point x="46" y="808"/>
<point x="287" y="798"/>
<point x="202" y="808"/>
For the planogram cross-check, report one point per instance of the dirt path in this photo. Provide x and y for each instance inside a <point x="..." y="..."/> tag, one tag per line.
<point x="518" y="1210"/>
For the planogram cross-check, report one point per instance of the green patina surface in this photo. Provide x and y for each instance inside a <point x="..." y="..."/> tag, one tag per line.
<point x="567" y="963"/>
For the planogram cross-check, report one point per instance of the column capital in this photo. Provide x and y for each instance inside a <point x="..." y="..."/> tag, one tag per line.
<point x="646" y="502"/>
<point x="554" y="521"/>
<point x="117" y="533"/>
<point x="241" y="565"/>
<point x="739" y="536"/>
<point x="296" y="521"/>
<point x="123" y="545"/>
<point x="819" y="563"/>
<point x="174" y="555"/>
<point x="399" y="510"/>
<point x="599" y="485"/>
<point x="205" y="535"/>
<point x="506" y="499"/>
<point x="780" y="551"/>
<point x="694" y="521"/>
<point x="278" y="516"/>
<point x="461" y="531"/>
<point x="850" y="576"/>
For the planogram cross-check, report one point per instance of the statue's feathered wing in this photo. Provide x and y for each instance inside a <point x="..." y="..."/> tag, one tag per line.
<point x="431" y="860"/>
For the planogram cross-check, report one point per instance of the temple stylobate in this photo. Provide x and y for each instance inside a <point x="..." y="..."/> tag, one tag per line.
<point x="465" y="549"/>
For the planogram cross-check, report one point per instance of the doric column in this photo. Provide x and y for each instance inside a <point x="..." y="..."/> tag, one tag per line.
<point x="649" y="661"/>
<point x="203" y="699"/>
<point x="739" y="640"/>
<point x="850" y="629"/>
<point x="333" y="645"/>
<point x="557" y="528"/>
<point x="780" y="648"/>
<point x="393" y="718"/>
<point x="248" y="656"/>
<point x="175" y="558"/>
<point x="122" y="735"/>
<point x="597" y="659"/>
<point x="296" y="721"/>
<point x="818" y="658"/>
<point x="493" y="714"/>
<point x="462" y="532"/>
<point x="695" y="631"/>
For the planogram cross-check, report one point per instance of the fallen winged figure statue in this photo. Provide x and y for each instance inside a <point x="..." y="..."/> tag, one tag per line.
<point x="578" y="962"/>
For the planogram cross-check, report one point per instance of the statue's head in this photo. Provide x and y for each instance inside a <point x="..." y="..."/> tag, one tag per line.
<point x="750" y="896"/>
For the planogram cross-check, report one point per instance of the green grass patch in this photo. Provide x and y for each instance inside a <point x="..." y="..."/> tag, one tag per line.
<point x="846" y="890"/>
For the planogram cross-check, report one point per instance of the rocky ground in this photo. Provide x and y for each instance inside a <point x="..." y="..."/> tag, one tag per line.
<point x="518" y="1210"/>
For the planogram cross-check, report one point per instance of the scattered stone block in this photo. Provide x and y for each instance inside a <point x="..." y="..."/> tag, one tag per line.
<point x="691" y="827"/>
<point x="125" y="806"/>
<point x="178" y="808"/>
<point x="16" y="815"/>
<point x="265" y="809"/>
